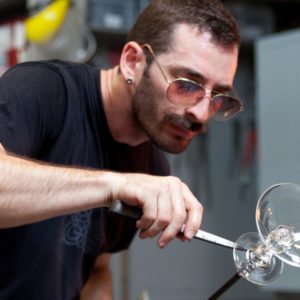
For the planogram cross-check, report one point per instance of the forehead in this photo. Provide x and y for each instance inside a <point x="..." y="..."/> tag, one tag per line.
<point x="196" y="50"/>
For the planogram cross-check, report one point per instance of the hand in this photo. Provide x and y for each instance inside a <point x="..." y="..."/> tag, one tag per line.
<point x="166" y="203"/>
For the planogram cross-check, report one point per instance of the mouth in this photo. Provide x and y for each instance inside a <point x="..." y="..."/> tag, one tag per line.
<point x="182" y="132"/>
<point x="188" y="130"/>
<point x="184" y="128"/>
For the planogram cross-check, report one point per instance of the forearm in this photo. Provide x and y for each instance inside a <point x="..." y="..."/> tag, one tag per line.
<point x="99" y="285"/>
<point x="31" y="191"/>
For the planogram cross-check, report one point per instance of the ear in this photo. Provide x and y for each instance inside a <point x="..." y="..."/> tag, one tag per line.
<point x="132" y="61"/>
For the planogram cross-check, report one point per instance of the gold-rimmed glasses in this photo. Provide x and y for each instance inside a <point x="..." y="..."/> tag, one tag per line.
<point x="186" y="92"/>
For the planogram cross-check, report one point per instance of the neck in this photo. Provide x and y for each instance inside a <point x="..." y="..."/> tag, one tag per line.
<point x="117" y="102"/>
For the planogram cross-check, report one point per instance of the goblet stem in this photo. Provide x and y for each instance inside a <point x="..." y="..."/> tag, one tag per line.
<point x="257" y="264"/>
<point x="225" y="287"/>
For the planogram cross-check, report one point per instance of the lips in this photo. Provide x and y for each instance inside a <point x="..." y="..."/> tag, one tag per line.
<point x="182" y="132"/>
<point x="183" y="127"/>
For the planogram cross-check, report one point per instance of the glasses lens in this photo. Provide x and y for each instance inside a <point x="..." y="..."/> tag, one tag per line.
<point x="224" y="107"/>
<point x="185" y="92"/>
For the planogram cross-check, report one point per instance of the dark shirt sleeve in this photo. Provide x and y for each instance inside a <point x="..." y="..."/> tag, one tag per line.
<point x="30" y="98"/>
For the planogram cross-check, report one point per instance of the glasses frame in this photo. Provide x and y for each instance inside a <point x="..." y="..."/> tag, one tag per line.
<point x="213" y="93"/>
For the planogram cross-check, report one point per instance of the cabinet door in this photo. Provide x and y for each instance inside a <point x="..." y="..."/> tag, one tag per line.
<point x="278" y="117"/>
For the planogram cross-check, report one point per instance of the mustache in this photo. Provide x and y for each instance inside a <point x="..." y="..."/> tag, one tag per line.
<point x="186" y="123"/>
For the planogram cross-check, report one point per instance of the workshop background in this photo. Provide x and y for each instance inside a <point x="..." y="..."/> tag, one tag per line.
<point x="227" y="169"/>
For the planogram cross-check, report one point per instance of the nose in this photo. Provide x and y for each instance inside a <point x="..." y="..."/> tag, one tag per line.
<point x="200" y="112"/>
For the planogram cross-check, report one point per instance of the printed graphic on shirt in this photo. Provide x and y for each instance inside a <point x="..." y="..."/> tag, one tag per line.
<point x="82" y="231"/>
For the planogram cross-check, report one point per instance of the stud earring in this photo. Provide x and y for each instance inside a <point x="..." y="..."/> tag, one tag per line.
<point x="129" y="80"/>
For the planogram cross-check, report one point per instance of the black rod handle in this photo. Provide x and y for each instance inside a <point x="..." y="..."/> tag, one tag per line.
<point x="125" y="210"/>
<point x="225" y="287"/>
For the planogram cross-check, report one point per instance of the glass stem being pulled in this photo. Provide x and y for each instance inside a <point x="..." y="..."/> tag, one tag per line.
<point x="278" y="241"/>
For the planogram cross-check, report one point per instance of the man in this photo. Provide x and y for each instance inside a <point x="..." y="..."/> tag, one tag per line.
<point x="73" y="139"/>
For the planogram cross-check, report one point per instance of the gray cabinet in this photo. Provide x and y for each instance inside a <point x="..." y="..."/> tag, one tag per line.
<point x="278" y="118"/>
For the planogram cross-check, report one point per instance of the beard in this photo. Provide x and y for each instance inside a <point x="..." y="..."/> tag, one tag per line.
<point x="149" y="111"/>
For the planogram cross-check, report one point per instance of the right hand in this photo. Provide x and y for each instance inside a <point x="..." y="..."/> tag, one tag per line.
<point x="166" y="203"/>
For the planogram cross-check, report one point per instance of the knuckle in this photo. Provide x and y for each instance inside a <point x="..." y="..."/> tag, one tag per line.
<point x="180" y="215"/>
<point x="174" y="180"/>
<point x="176" y="226"/>
<point x="151" y="190"/>
<point x="149" y="218"/>
<point x="200" y="207"/>
<point x="185" y="186"/>
<point x="163" y="222"/>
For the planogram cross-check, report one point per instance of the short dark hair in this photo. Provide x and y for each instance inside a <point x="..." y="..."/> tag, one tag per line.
<point x="156" y="23"/>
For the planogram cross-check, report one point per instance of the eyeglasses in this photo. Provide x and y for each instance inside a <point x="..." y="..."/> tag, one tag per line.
<point x="186" y="92"/>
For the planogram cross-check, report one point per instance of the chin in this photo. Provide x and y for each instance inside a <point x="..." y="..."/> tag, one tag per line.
<point x="175" y="146"/>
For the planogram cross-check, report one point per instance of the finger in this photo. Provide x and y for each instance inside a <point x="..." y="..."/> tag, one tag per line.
<point x="178" y="217"/>
<point x="149" y="214"/>
<point x="195" y="212"/>
<point x="163" y="216"/>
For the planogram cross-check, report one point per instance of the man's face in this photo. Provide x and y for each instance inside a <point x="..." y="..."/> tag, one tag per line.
<point x="193" y="56"/>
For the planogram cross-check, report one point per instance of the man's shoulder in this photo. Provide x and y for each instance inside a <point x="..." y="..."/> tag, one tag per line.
<point x="40" y="74"/>
<point x="32" y="70"/>
<point x="49" y="66"/>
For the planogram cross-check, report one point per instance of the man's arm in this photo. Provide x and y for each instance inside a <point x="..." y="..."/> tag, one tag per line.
<point x="31" y="191"/>
<point x="99" y="284"/>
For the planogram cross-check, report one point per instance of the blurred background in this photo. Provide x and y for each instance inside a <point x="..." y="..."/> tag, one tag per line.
<point x="227" y="169"/>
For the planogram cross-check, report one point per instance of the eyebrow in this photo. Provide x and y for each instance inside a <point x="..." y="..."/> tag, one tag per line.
<point x="198" y="76"/>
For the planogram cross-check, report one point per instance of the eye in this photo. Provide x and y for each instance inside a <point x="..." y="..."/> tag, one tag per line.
<point x="188" y="87"/>
<point x="185" y="92"/>
<point x="218" y="92"/>
<point x="215" y="93"/>
<point x="222" y="92"/>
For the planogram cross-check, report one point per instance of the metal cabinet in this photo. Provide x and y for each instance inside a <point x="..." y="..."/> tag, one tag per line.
<point x="278" y="119"/>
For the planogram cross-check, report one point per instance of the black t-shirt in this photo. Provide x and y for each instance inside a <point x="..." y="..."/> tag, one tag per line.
<point x="52" y="111"/>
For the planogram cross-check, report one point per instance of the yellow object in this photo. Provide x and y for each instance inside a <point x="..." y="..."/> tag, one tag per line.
<point x="42" y="27"/>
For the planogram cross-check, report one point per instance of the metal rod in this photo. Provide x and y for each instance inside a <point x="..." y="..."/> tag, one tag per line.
<point x="225" y="287"/>
<point x="125" y="275"/>
<point x="125" y="210"/>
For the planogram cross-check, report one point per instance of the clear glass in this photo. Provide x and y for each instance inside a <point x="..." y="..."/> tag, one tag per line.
<point x="255" y="262"/>
<point x="259" y="256"/>
<point x="278" y="221"/>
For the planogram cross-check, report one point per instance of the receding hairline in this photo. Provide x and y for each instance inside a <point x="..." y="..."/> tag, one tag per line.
<point x="203" y="30"/>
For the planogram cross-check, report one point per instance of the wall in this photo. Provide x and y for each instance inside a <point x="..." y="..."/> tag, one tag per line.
<point x="278" y="106"/>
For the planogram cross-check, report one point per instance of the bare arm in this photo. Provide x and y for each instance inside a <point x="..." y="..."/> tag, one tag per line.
<point x="31" y="191"/>
<point x="99" y="285"/>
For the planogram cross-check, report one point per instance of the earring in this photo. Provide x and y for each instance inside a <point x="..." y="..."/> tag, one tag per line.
<point x="129" y="80"/>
